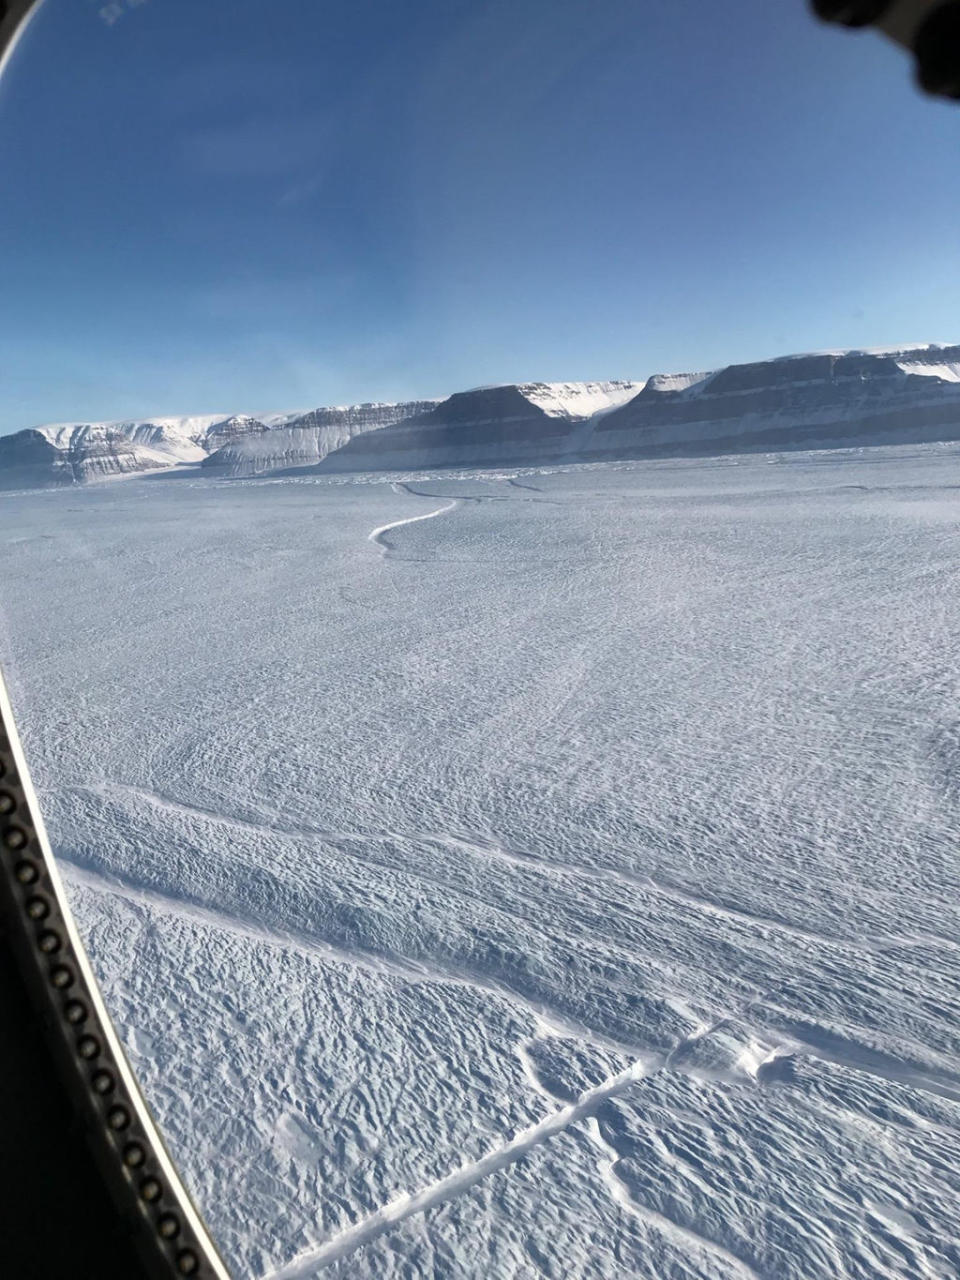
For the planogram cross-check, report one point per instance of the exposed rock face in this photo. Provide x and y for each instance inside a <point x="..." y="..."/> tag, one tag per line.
<point x="527" y="422"/>
<point x="799" y="402"/>
<point x="40" y="457"/>
<point x="30" y="460"/>
<point x="76" y="453"/>
<point x="240" y="445"/>
<point x="852" y="398"/>
<point x="223" y="434"/>
<point x="306" y="440"/>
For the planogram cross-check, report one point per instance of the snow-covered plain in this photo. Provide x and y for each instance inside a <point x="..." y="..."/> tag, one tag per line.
<point x="565" y="884"/>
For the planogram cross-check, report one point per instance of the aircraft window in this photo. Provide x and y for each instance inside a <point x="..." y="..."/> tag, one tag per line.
<point x="494" y="712"/>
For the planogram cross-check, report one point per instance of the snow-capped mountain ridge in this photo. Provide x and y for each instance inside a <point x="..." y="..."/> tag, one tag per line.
<point x="508" y="424"/>
<point x="828" y="399"/>
<point x="66" y="453"/>
<point x="821" y="399"/>
<point x="189" y="427"/>
<point x="304" y="440"/>
<point x="925" y="359"/>
<point x="824" y="400"/>
<point x="578" y="399"/>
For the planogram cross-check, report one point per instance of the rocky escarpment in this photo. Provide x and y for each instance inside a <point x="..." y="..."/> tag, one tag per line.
<point x="42" y="457"/>
<point x="304" y="441"/>
<point x="77" y="453"/>
<point x="238" y="445"/>
<point x="30" y="460"/>
<point x="853" y="398"/>
<point x="223" y="434"/>
<point x="524" y="422"/>
<point x="833" y="399"/>
<point x="798" y="402"/>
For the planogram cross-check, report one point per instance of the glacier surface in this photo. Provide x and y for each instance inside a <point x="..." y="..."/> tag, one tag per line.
<point x="520" y="872"/>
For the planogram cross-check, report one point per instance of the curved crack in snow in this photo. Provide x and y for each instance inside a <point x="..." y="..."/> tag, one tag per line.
<point x="378" y="535"/>
<point x="686" y="1238"/>
<point x="407" y="1204"/>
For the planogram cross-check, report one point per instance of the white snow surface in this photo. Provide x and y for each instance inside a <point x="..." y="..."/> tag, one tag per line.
<point x="897" y="349"/>
<point x="949" y="372"/>
<point x="195" y="426"/>
<point x="522" y="873"/>
<point x="676" y="382"/>
<point x="579" y="399"/>
<point x="170" y="434"/>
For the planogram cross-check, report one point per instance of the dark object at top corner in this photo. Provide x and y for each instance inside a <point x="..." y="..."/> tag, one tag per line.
<point x="930" y="29"/>
<point x="937" y="49"/>
<point x="851" y="13"/>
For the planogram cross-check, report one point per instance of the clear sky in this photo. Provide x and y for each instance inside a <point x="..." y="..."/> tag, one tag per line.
<point x="220" y="205"/>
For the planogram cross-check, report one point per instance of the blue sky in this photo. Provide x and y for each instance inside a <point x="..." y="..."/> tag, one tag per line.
<point x="204" y="209"/>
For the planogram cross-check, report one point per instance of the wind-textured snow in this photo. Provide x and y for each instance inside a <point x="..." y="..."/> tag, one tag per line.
<point x="524" y="872"/>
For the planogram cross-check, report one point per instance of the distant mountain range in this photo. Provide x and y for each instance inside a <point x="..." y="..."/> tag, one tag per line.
<point x="826" y="400"/>
<point x="238" y="445"/>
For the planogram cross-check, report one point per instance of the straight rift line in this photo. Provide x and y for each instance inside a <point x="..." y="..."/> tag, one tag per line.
<point x="406" y="1205"/>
